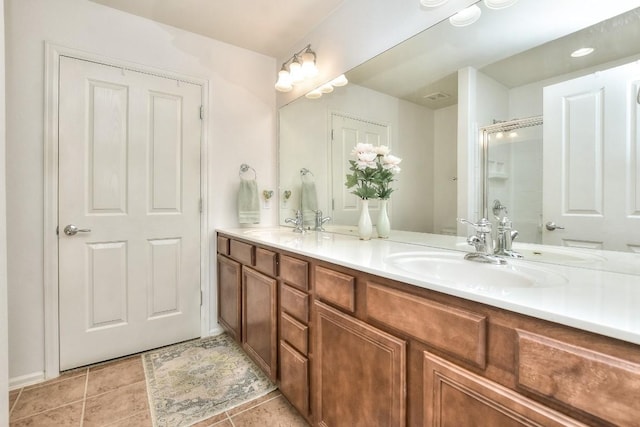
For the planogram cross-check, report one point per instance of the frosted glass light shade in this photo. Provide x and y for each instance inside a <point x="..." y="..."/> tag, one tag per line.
<point x="499" y="4"/>
<point x="466" y="16"/>
<point x="432" y="3"/>
<point x="314" y="94"/>
<point x="284" y="81"/>
<point x="341" y="80"/>
<point x="309" y="68"/>
<point x="295" y="69"/>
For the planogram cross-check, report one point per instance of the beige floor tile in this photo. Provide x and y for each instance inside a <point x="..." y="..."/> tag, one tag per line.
<point x="72" y="373"/>
<point x="116" y="405"/>
<point x="13" y="395"/>
<point x="64" y="416"/>
<point x="212" y="421"/>
<point x="141" y="419"/>
<point x="114" y="362"/>
<point x="277" y="413"/>
<point x="225" y="423"/>
<point x="48" y="396"/>
<point x="254" y="402"/>
<point x="112" y="376"/>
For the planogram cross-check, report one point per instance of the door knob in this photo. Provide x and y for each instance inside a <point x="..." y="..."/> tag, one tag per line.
<point x="72" y="230"/>
<point x="552" y="226"/>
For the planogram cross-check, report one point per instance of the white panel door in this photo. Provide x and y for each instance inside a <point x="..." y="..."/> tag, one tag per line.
<point x="346" y="132"/>
<point x="591" y="177"/>
<point x="129" y="161"/>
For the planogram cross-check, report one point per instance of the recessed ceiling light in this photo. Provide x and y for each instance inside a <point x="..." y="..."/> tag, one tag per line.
<point x="432" y="3"/>
<point x="583" y="51"/>
<point x="499" y="4"/>
<point x="466" y="16"/>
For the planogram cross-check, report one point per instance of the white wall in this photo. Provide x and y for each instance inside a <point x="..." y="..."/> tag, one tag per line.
<point x="4" y="353"/>
<point x="241" y="129"/>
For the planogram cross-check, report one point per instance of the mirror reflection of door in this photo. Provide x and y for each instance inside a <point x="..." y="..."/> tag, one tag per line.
<point x="346" y="132"/>
<point x="591" y="178"/>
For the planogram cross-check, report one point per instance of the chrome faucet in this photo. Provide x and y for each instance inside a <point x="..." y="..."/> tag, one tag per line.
<point x="505" y="234"/>
<point x="483" y="242"/>
<point x="504" y="238"/>
<point x="320" y="220"/>
<point x="297" y="222"/>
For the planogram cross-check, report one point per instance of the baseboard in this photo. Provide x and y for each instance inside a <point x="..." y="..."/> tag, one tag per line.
<point x="217" y="330"/>
<point x="25" y="380"/>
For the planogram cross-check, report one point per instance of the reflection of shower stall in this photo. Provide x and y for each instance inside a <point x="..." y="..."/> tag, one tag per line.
<point x="512" y="174"/>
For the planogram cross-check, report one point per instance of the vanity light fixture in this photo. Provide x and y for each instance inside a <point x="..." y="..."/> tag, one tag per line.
<point x="466" y="16"/>
<point x="316" y="93"/>
<point x="583" y="51"/>
<point x="300" y="66"/>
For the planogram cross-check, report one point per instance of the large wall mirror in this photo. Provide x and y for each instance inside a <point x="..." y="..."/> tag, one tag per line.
<point x="560" y="132"/>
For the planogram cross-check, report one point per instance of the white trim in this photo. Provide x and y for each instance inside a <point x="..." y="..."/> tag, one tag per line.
<point x="25" y="380"/>
<point x="52" y="62"/>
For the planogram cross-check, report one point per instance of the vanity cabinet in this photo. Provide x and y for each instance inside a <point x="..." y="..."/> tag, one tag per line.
<point x="294" y="333"/>
<point x="259" y="320"/>
<point x="247" y="299"/>
<point x="356" y="349"/>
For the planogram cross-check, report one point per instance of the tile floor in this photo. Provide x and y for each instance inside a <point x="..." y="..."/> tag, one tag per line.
<point x="115" y="394"/>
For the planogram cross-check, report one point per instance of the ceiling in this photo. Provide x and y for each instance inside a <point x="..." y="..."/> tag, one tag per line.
<point x="528" y="42"/>
<point x="270" y="27"/>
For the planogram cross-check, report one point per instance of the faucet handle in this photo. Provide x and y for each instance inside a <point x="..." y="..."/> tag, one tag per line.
<point x="482" y="226"/>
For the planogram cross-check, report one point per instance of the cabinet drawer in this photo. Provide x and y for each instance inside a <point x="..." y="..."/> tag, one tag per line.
<point x="294" y="302"/>
<point x="266" y="262"/>
<point x="335" y="288"/>
<point x="242" y="252"/>
<point x="458" y="332"/>
<point x="294" y="378"/>
<point x="295" y="272"/>
<point x="596" y="383"/>
<point x="223" y="245"/>
<point x="294" y="333"/>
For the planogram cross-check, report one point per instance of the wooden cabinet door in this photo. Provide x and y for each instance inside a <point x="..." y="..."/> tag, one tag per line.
<point x="259" y="320"/>
<point x="229" y="286"/>
<point x="359" y="373"/>
<point x="454" y="396"/>
<point x="294" y="378"/>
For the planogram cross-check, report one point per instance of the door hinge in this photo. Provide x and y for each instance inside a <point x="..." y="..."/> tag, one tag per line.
<point x="333" y="204"/>
<point x="202" y="112"/>
<point x="200" y="205"/>
<point x="201" y="298"/>
<point x="332" y="134"/>
<point x="57" y="230"/>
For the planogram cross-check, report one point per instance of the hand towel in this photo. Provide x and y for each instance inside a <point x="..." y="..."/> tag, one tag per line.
<point x="309" y="201"/>
<point x="248" y="202"/>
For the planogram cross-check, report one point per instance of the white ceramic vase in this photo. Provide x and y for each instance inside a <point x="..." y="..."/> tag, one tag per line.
<point x="383" y="226"/>
<point x="365" y="228"/>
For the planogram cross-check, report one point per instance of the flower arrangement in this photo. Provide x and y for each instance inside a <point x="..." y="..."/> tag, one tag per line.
<point x="373" y="171"/>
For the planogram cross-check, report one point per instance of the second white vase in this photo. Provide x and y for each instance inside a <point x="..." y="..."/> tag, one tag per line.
<point x="383" y="226"/>
<point x="365" y="228"/>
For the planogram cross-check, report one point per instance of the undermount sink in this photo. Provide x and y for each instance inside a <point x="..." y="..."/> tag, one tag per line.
<point x="551" y="254"/>
<point x="451" y="269"/>
<point x="272" y="232"/>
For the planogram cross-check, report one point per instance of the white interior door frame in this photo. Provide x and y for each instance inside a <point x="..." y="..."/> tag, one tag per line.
<point x="51" y="323"/>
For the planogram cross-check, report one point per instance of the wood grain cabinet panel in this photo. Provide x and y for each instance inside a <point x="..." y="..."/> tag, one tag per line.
<point x="223" y="245"/>
<point x="592" y="382"/>
<point x="294" y="302"/>
<point x="295" y="272"/>
<point x="359" y="372"/>
<point x="266" y="262"/>
<point x="294" y="333"/>
<point x="229" y="302"/>
<point x="335" y="288"/>
<point x="456" y="397"/>
<point x="458" y="332"/>
<point x="294" y="378"/>
<point x="241" y="252"/>
<point x="259" y="320"/>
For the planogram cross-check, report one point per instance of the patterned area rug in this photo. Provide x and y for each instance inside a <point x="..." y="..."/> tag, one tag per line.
<point x="192" y="381"/>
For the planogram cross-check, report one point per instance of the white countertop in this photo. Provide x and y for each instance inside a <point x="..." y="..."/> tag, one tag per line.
<point x="604" y="302"/>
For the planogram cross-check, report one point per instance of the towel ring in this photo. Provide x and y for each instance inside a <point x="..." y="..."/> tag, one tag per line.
<point x="305" y="172"/>
<point x="245" y="168"/>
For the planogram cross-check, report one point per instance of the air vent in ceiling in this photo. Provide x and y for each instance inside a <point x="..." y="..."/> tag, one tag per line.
<point x="437" y="96"/>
